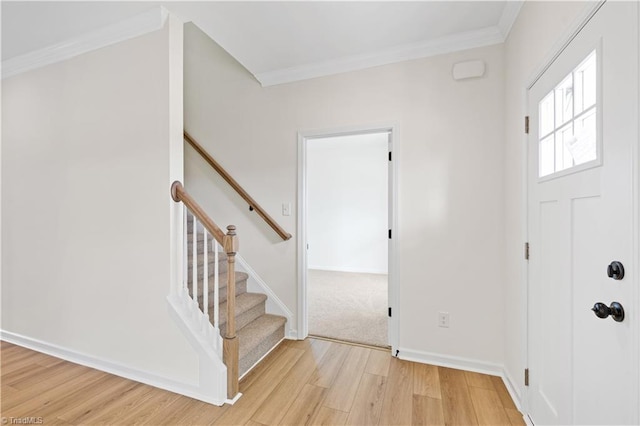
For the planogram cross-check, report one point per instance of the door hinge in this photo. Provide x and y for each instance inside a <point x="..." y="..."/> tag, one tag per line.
<point x="526" y="251"/>
<point x="526" y="377"/>
<point x="389" y="311"/>
<point x="389" y="233"/>
<point x="526" y="124"/>
<point x="389" y="155"/>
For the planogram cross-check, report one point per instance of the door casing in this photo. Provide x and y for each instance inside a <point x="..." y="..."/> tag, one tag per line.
<point x="393" y="279"/>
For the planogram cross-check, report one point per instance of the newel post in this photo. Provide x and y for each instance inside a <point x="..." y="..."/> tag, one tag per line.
<point x="230" y="348"/>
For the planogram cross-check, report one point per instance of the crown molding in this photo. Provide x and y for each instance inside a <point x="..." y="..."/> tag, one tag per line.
<point x="462" y="41"/>
<point x="135" y="26"/>
<point x="509" y="16"/>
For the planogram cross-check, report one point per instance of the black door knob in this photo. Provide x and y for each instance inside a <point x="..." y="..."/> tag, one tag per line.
<point x="615" y="270"/>
<point x="603" y="311"/>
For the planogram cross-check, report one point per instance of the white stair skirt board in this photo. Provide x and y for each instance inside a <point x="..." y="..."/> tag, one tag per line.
<point x="141" y="376"/>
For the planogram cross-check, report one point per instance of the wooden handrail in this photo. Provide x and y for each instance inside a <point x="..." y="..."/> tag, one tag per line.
<point x="236" y="186"/>
<point x="179" y="194"/>
<point x="229" y="242"/>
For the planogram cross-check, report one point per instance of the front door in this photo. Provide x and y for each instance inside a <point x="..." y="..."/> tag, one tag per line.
<point x="583" y="369"/>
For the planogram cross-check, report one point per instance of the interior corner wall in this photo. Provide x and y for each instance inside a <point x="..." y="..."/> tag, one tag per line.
<point x="534" y="35"/>
<point x="347" y="193"/>
<point x="448" y="150"/>
<point x="86" y="206"/>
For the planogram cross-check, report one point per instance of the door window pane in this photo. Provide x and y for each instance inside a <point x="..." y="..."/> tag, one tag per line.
<point x="567" y="120"/>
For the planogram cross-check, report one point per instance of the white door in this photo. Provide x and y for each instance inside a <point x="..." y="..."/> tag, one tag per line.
<point x="583" y="131"/>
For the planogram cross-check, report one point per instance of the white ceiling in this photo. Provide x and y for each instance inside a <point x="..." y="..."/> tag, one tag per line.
<point x="283" y="41"/>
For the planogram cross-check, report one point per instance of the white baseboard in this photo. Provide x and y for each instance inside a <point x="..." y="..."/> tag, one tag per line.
<point x="458" y="363"/>
<point x="512" y="389"/>
<point x="110" y="367"/>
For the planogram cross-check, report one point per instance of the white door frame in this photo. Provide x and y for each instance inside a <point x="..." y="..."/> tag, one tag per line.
<point x="303" y="138"/>
<point x="563" y="42"/>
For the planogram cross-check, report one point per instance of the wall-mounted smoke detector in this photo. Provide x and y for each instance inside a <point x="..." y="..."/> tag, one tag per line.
<point x="468" y="69"/>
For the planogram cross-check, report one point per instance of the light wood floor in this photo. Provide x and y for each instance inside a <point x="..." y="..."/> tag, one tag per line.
<point x="300" y="382"/>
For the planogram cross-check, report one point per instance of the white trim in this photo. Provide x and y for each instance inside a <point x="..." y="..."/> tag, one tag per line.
<point x="509" y="15"/>
<point x="135" y="26"/>
<point x="449" y="361"/>
<point x="110" y="367"/>
<point x="512" y="389"/>
<point x="565" y="39"/>
<point x="273" y="303"/>
<point x="393" y="272"/>
<point x="467" y="40"/>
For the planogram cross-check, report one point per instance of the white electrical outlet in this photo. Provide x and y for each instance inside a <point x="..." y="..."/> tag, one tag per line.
<point x="286" y="209"/>
<point x="443" y="319"/>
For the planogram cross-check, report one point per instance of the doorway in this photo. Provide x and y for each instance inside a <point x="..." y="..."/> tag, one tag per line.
<point x="582" y="351"/>
<point x="346" y="216"/>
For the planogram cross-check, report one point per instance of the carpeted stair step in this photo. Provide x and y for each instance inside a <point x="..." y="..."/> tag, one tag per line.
<point x="257" y="338"/>
<point x="249" y="306"/>
<point x="200" y="243"/>
<point x="222" y="266"/>
<point x="241" y="287"/>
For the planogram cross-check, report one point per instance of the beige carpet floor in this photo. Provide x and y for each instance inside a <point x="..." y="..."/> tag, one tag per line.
<point x="348" y="306"/>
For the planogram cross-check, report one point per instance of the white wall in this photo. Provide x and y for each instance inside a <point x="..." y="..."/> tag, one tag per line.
<point x="449" y="156"/>
<point x="86" y="172"/>
<point x="347" y="209"/>
<point x="535" y="33"/>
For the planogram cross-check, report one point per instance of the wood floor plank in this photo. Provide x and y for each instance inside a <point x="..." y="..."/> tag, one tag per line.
<point x="343" y="391"/>
<point x="503" y="393"/>
<point x="479" y="380"/>
<point x="427" y="411"/>
<point x="351" y="378"/>
<point x="329" y="417"/>
<point x="305" y="406"/>
<point x="264" y="365"/>
<point x="26" y="400"/>
<point x="261" y="388"/>
<point x="99" y="397"/>
<point x="488" y="407"/>
<point x="117" y="408"/>
<point x="283" y="395"/>
<point x="12" y="376"/>
<point x="330" y="365"/>
<point x="457" y="406"/>
<point x="55" y="404"/>
<point x="398" y="399"/>
<point x="150" y="404"/>
<point x="367" y="404"/>
<point x="515" y="417"/>
<point x="378" y="363"/>
<point x="426" y="381"/>
<point x="198" y="413"/>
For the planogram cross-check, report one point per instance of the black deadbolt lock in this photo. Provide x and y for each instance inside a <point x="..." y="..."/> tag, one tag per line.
<point x="615" y="270"/>
<point x="603" y="311"/>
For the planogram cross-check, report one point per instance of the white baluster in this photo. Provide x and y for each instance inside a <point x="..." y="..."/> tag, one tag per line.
<point x="185" y="254"/>
<point x="205" y="282"/>
<point x="194" y="262"/>
<point x="216" y="288"/>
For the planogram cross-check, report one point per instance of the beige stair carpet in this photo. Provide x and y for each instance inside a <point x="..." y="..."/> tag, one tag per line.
<point x="257" y="331"/>
<point x="348" y="306"/>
